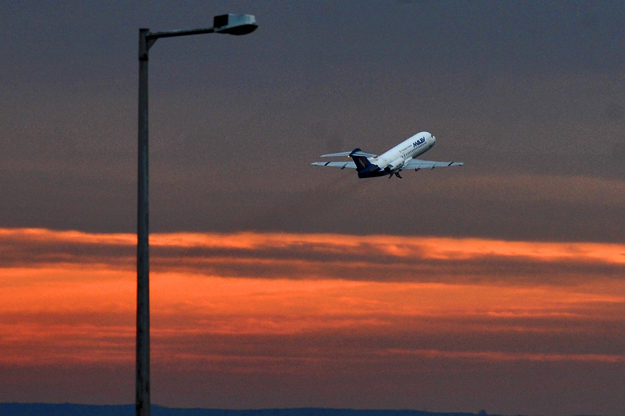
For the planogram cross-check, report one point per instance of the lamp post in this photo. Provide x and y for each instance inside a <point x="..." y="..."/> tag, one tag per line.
<point x="233" y="24"/>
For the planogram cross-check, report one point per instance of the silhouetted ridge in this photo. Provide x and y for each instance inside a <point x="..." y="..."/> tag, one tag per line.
<point x="66" y="409"/>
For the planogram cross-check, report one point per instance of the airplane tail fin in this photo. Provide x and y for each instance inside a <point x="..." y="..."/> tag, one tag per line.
<point x="365" y="168"/>
<point x="361" y="162"/>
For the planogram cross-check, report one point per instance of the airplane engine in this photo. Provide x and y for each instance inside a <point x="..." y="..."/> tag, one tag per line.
<point x="396" y="164"/>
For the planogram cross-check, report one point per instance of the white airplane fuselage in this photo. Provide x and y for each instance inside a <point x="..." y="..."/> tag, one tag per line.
<point x="395" y="158"/>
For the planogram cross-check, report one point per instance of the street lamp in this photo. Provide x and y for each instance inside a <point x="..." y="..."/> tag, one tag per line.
<point x="232" y="24"/>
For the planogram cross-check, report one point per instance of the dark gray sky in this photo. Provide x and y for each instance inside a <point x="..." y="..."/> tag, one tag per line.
<point x="528" y="94"/>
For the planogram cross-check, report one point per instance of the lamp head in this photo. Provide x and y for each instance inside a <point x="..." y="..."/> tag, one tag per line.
<point x="235" y="24"/>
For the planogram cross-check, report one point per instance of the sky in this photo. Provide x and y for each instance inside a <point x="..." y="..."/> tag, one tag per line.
<point x="497" y="285"/>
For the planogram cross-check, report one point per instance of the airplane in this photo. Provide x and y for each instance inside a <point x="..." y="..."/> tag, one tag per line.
<point x="401" y="157"/>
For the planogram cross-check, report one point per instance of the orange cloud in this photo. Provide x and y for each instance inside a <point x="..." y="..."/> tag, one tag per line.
<point x="284" y="303"/>
<point x="317" y="256"/>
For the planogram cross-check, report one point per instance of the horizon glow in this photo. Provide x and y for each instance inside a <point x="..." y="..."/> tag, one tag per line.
<point x="281" y="306"/>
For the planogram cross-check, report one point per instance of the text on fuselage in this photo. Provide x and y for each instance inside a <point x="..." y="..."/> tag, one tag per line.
<point x="414" y="145"/>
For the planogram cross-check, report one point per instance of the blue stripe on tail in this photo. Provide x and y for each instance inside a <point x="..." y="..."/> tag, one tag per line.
<point x="364" y="168"/>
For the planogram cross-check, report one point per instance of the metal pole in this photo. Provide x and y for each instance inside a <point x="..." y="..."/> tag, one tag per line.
<point x="143" y="270"/>
<point x="146" y="40"/>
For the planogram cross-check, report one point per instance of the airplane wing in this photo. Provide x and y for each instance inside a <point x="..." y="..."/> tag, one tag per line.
<point x="342" y="165"/>
<point x="357" y="152"/>
<point x="428" y="164"/>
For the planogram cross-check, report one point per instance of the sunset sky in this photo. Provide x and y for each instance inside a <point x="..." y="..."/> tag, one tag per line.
<point x="495" y="286"/>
